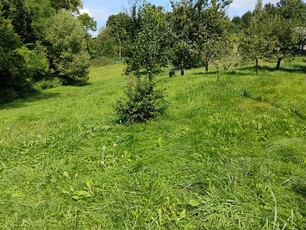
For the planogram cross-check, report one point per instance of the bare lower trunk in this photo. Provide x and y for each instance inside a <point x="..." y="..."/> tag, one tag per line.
<point x="279" y="60"/>
<point x="120" y="51"/>
<point x="206" y="64"/>
<point x="256" y="65"/>
<point x="182" y="68"/>
<point x="218" y="71"/>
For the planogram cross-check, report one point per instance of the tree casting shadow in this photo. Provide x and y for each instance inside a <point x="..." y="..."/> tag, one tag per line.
<point x="36" y="96"/>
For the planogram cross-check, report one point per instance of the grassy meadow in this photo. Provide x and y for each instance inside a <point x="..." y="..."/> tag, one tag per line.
<point x="226" y="155"/>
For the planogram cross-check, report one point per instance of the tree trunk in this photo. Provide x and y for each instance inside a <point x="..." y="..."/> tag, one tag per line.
<point x="182" y="68"/>
<point x="120" y="51"/>
<point x="206" y="64"/>
<point x="206" y="67"/>
<point x="256" y="65"/>
<point x="279" y="60"/>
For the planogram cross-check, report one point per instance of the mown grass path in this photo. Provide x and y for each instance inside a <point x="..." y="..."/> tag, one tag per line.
<point x="227" y="155"/>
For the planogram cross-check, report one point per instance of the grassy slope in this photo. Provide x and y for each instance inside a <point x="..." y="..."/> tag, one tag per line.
<point x="230" y="155"/>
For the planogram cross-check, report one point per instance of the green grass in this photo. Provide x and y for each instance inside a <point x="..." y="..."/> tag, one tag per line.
<point x="227" y="155"/>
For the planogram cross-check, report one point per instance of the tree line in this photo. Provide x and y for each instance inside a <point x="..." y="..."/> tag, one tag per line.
<point x="195" y="33"/>
<point x="42" y="40"/>
<point x="200" y="33"/>
<point x="49" y="40"/>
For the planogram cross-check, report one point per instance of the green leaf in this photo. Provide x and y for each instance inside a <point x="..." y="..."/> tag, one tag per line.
<point x="183" y="214"/>
<point x="194" y="203"/>
<point x="82" y="194"/>
<point x="66" y="174"/>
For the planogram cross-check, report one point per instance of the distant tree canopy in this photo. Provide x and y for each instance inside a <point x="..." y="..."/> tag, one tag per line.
<point x="194" y="33"/>
<point x="275" y="32"/>
<point x="147" y="53"/>
<point x="198" y="28"/>
<point x="13" y="81"/>
<point x="72" y="5"/>
<point x="42" y="40"/>
<point x="67" y="52"/>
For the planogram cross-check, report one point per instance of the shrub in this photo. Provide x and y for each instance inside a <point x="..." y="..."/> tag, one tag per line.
<point x="7" y="94"/>
<point x="48" y="84"/>
<point x="142" y="103"/>
<point x="69" y="58"/>
<point x="13" y="72"/>
<point x="36" y="62"/>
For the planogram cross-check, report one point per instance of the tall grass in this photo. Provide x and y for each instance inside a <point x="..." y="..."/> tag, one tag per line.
<point x="227" y="155"/>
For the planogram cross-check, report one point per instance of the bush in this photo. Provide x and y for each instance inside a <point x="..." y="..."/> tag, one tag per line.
<point x="13" y="72"/>
<point x="7" y="94"/>
<point x="36" y="62"/>
<point x="67" y="48"/>
<point x="142" y="103"/>
<point x="48" y="84"/>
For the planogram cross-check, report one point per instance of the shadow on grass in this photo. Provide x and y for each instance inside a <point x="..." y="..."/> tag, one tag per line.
<point x="235" y="72"/>
<point x="260" y="68"/>
<point x="205" y="73"/>
<point x="300" y="189"/>
<point x="83" y="84"/>
<point x="35" y="96"/>
<point x="289" y="69"/>
<point x="299" y="68"/>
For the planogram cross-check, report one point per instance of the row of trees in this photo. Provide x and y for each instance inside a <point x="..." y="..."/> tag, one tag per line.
<point x="42" y="40"/>
<point x="274" y="32"/>
<point x="200" y="33"/>
<point x="196" y="33"/>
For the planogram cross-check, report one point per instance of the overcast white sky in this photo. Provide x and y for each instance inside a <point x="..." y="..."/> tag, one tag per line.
<point x="102" y="9"/>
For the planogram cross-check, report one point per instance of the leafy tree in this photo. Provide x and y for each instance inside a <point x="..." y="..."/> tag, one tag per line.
<point x="272" y="32"/>
<point x="285" y="18"/>
<point x="182" y="52"/>
<point x="256" y="42"/>
<point x="246" y="20"/>
<point x="217" y="27"/>
<point x="19" y="13"/>
<point x="36" y="62"/>
<point x="301" y="36"/>
<point x="69" y="58"/>
<point x="243" y="22"/>
<point x="13" y="80"/>
<point x="149" y="48"/>
<point x="198" y="24"/>
<point x="182" y="29"/>
<point x="284" y="37"/>
<point x="88" y="22"/>
<point x="148" y="53"/>
<point x="71" y="5"/>
<point x="292" y="9"/>
<point x="118" y="28"/>
<point x="105" y="44"/>
<point x="41" y="12"/>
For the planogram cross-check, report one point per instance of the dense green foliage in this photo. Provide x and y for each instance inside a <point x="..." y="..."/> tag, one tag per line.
<point x="227" y="155"/>
<point x="143" y="102"/>
<point x="275" y="32"/>
<point x="30" y="40"/>
<point x="196" y="33"/>
<point x="148" y="54"/>
<point x="69" y="57"/>
<point x="13" y="82"/>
